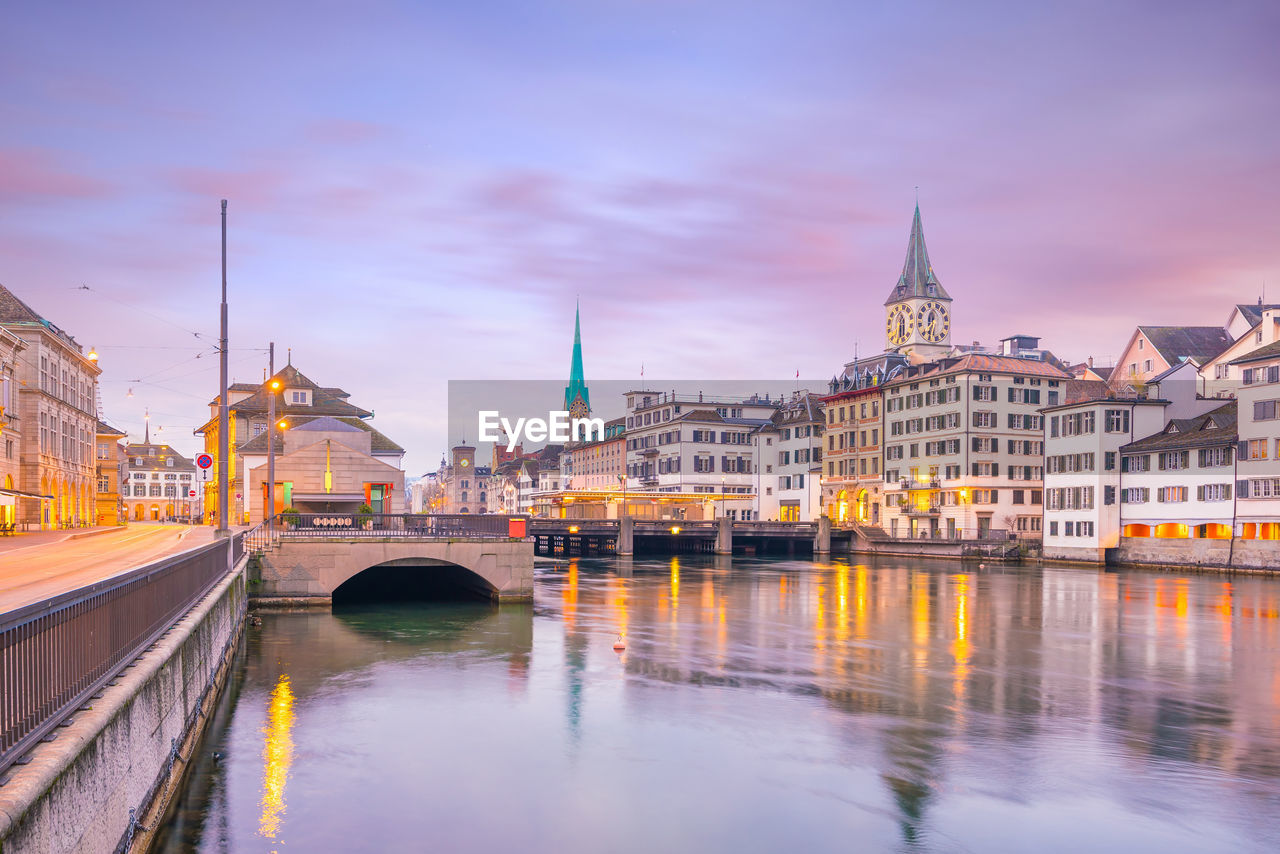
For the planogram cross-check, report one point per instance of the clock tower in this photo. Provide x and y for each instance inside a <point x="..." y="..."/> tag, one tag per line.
<point x="918" y="310"/>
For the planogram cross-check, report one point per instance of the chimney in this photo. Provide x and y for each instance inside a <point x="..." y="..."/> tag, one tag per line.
<point x="1091" y="361"/>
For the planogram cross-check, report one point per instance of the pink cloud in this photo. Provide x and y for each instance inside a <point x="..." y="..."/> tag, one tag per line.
<point x="30" y="174"/>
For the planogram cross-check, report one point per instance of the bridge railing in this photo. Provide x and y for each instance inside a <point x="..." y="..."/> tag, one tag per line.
<point x="55" y="654"/>
<point x="303" y="526"/>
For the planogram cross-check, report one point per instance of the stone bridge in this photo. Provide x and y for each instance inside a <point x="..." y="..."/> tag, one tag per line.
<point x="299" y="562"/>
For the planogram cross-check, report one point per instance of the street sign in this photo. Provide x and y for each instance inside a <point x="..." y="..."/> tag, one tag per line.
<point x="204" y="468"/>
<point x="191" y="493"/>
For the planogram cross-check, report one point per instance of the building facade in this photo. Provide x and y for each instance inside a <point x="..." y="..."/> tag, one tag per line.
<point x="297" y="399"/>
<point x="1178" y="483"/>
<point x="692" y="453"/>
<point x="56" y="408"/>
<point x="598" y="465"/>
<point x="964" y="446"/>
<point x="113" y="473"/>
<point x="159" y="485"/>
<point x="1258" y="474"/>
<point x="10" y="429"/>
<point x="1082" y="442"/>
<point x="789" y="455"/>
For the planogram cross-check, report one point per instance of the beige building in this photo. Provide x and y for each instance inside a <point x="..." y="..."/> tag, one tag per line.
<point x="599" y="465"/>
<point x="325" y="465"/>
<point x="112" y="470"/>
<point x="10" y="428"/>
<point x="56" y="406"/>
<point x="298" y="399"/>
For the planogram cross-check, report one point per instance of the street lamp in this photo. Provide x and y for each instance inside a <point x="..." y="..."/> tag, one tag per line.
<point x="272" y="388"/>
<point x="622" y="484"/>
<point x="722" y="496"/>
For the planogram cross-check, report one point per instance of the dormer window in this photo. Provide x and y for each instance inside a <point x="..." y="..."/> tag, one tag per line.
<point x="299" y="396"/>
<point x="169" y="462"/>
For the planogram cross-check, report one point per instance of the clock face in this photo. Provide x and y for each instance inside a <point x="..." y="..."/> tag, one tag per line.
<point x="465" y="463"/>
<point x="899" y="326"/>
<point x="933" y="321"/>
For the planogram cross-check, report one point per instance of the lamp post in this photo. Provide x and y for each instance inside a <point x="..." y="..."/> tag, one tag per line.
<point x="721" y="496"/>
<point x="622" y="482"/>
<point x="224" y="440"/>
<point x="273" y="385"/>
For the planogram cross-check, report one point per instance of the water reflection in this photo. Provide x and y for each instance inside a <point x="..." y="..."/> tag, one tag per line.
<point x="277" y="756"/>
<point x="906" y="705"/>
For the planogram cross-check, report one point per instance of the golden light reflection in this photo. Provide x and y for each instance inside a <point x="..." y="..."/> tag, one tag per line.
<point x="860" y="602"/>
<point x="618" y="604"/>
<point x="920" y="615"/>
<point x="277" y="756"/>
<point x="1223" y="607"/>
<point x="842" y="603"/>
<point x="569" y="595"/>
<point x="961" y="648"/>
<point x="782" y="593"/>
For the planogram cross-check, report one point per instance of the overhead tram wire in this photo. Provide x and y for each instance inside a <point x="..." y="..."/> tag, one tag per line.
<point x="134" y="307"/>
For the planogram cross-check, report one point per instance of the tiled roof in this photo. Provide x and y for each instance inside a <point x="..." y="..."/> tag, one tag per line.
<point x="1270" y="351"/>
<point x="1252" y="314"/>
<point x="14" y="310"/>
<point x="982" y="363"/>
<point x="105" y="429"/>
<point x="1213" y="428"/>
<point x="324" y="401"/>
<point x="1177" y="343"/>
<point x="378" y="443"/>
<point x="156" y="462"/>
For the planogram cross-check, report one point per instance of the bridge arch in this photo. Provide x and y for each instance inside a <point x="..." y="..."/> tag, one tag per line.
<point x="320" y="569"/>
<point x="408" y="579"/>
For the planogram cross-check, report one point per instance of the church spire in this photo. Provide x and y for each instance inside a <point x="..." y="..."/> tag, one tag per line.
<point x="577" y="399"/>
<point x="918" y="278"/>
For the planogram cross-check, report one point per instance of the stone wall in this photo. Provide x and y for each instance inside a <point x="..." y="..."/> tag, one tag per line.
<point x="1200" y="553"/>
<point x="76" y="793"/>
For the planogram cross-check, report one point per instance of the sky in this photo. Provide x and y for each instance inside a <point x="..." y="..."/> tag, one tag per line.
<point x="418" y="192"/>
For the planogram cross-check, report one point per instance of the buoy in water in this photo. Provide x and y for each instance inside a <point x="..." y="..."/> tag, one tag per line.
<point x="619" y="645"/>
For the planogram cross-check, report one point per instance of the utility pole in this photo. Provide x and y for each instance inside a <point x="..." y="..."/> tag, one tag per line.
<point x="224" y="439"/>
<point x="272" y="385"/>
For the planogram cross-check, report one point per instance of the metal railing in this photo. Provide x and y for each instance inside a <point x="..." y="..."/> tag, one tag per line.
<point x="56" y="654"/>
<point x="304" y="526"/>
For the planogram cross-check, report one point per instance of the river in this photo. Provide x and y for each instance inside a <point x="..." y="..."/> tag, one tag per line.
<point x="759" y="706"/>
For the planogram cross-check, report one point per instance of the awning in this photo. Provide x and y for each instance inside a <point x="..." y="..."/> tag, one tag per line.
<point x="328" y="496"/>
<point x="18" y="493"/>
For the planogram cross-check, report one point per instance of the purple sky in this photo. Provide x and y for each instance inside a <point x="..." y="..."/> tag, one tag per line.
<point x="418" y="191"/>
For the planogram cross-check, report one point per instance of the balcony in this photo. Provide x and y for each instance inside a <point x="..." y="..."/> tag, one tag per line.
<point x="932" y="510"/>
<point x="649" y="452"/>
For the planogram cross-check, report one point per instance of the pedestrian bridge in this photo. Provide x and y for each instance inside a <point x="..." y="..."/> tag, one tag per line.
<point x="307" y="558"/>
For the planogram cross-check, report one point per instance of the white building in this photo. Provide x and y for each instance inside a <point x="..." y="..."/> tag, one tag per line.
<point x="1082" y="444"/>
<point x="688" y="445"/>
<point x="1258" y="473"/>
<point x="1178" y="482"/>
<point x="789" y="451"/>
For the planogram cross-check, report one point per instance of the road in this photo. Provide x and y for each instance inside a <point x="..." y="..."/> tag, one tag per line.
<point x="32" y="573"/>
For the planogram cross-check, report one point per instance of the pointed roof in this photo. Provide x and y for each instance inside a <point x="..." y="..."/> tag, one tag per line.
<point x="577" y="386"/>
<point x="14" y="310"/>
<point x="1217" y="427"/>
<point x="1179" y="343"/>
<point x="918" y="278"/>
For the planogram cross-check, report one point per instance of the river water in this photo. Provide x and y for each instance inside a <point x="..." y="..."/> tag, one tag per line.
<point x="759" y="706"/>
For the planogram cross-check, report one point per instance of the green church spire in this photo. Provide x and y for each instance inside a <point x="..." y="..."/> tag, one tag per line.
<point x="577" y="398"/>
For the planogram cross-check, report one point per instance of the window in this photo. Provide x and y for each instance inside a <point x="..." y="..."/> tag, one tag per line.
<point x="1213" y="492"/>
<point x="1256" y="449"/>
<point x="1171" y="494"/>
<point x="1135" y="463"/>
<point x="1265" y="410"/>
<point x="1108" y="495"/>
<point x="1214" y="457"/>
<point x="1109" y="460"/>
<point x="1174" y="460"/>
<point x="1117" y="420"/>
<point x="984" y="419"/>
<point x="1135" y="495"/>
<point x="1146" y="366"/>
<point x="1053" y="529"/>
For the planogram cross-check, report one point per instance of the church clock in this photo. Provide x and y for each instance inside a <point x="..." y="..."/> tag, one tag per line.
<point x="899" y="325"/>
<point x="933" y="322"/>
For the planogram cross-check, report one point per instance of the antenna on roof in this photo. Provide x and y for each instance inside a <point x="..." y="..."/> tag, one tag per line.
<point x="290" y="356"/>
